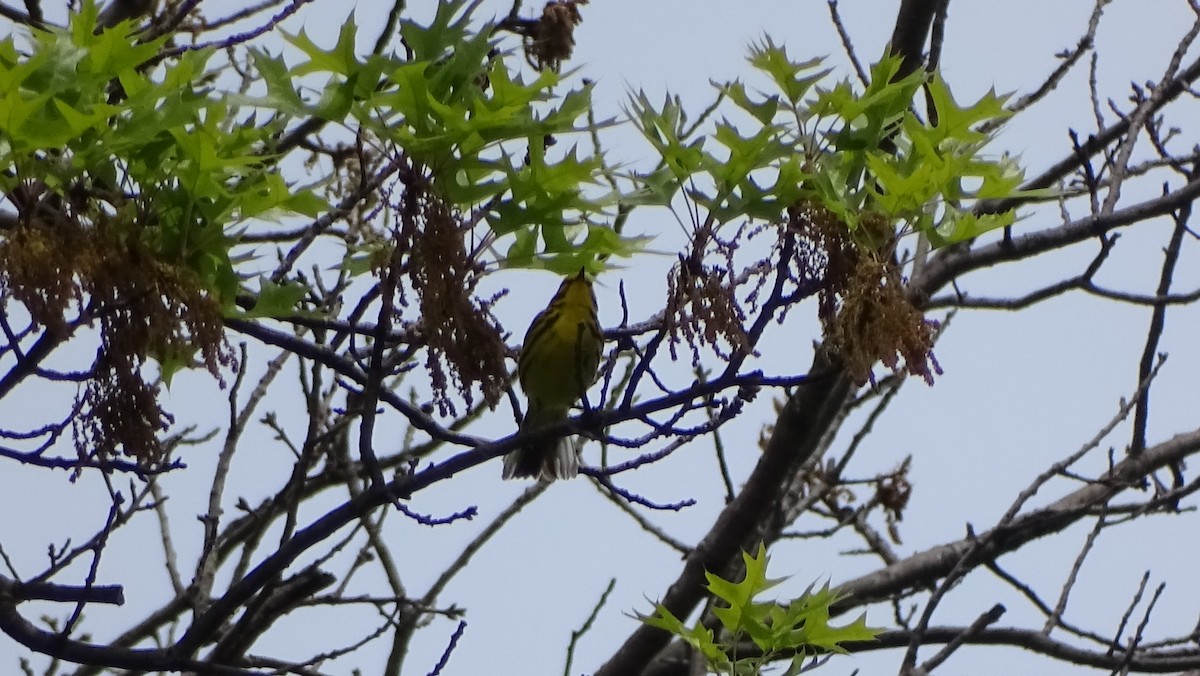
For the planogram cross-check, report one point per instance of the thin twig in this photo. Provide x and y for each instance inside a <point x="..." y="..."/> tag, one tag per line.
<point x="587" y="625"/>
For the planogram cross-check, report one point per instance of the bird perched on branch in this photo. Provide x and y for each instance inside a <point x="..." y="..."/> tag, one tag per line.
<point x="558" y="363"/>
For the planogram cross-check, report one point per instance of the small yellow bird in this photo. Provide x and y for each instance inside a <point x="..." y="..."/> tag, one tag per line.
<point x="558" y="364"/>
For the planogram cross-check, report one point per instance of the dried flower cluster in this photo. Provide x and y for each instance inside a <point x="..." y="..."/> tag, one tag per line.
<point x="462" y="337"/>
<point x="550" y="40"/>
<point x="145" y="306"/>
<point x="702" y="307"/>
<point x="864" y="309"/>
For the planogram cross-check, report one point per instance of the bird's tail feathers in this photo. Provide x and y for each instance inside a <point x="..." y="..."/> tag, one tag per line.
<point x="547" y="458"/>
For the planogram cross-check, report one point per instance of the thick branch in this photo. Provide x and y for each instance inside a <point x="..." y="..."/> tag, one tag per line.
<point x="60" y="647"/>
<point x="954" y="262"/>
<point x="47" y="591"/>
<point x="925" y="568"/>
<point x="912" y="29"/>
<point x="1029" y="639"/>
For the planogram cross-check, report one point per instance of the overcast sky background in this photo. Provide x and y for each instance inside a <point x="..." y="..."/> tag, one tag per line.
<point x="1019" y="391"/>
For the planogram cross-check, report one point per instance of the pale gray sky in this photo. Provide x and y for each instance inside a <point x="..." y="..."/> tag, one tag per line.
<point x="1019" y="391"/>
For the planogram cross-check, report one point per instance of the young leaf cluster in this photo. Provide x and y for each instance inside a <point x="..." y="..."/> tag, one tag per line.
<point x="459" y="109"/>
<point x="130" y="178"/>
<point x="789" y="632"/>
<point x="861" y="153"/>
<point x="152" y="151"/>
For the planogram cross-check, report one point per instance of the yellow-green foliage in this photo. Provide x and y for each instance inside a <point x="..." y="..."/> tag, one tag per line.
<point x="778" y="631"/>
